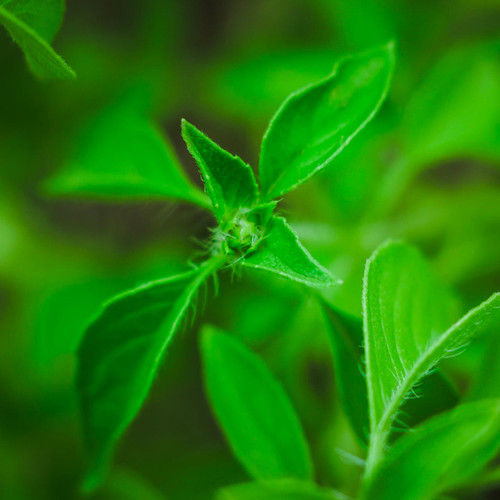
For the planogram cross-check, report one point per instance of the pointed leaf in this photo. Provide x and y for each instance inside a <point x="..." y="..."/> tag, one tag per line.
<point x="442" y="452"/>
<point x="123" y="156"/>
<point x="32" y="24"/>
<point x="253" y="410"/>
<point x="434" y="395"/>
<point x="284" y="489"/>
<point x="314" y="124"/>
<point x="282" y="253"/>
<point x="405" y="309"/>
<point x="229" y="181"/>
<point x="120" y="354"/>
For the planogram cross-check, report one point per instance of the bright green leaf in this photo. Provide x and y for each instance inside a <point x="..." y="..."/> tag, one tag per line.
<point x="406" y="311"/>
<point x="229" y="181"/>
<point x="282" y="253"/>
<point x="285" y="489"/>
<point x="433" y="395"/>
<point x="314" y="124"/>
<point x="441" y="453"/>
<point x="253" y="410"/>
<point x="121" y="156"/>
<point x="32" y="24"/>
<point x="120" y="354"/>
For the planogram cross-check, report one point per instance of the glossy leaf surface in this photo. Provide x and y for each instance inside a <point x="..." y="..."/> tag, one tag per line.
<point x="229" y="181"/>
<point x="32" y="24"/>
<point x="314" y="124"/>
<point x="282" y="253"/>
<point x="253" y="410"/>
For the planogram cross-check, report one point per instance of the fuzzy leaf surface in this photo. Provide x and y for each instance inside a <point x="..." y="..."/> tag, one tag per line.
<point x="229" y="181"/>
<point x="32" y="24"/>
<point x="253" y="410"/>
<point x="441" y="453"/>
<point x="286" y="489"/>
<point x="123" y="156"/>
<point x="405" y="309"/>
<point x="434" y="394"/>
<point x="314" y="124"/>
<point x="120" y="354"/>
<point x="282" y="253"/>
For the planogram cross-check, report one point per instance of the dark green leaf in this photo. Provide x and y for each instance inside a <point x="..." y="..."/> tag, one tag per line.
<point x="229" y="181"/>
<point x="346" y="335"/>
<point x="314" y="124"/>
<point x="120" y="354"/>
<point x="253" y="410"/>
<point x="285" y="489"/>
<point x="405" y="313"/>
<point x="32" y="24"/>
<point x="442" y="452"/>
<point x="282" y="253"/>
<point x="122" y="155"/>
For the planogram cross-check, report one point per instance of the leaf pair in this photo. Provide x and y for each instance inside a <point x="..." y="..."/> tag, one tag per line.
<point x="405" y="313"/>
<point x="32" y="24"/>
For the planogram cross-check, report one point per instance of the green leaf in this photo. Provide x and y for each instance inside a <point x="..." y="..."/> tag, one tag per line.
<point x="441" y="453"/>
<point x="122" y="156"/>
<point x="120" y="354"/>
<point x="253" y="410"/>
<point x="434" y="394"/>
<point x="32" y="24"/>
<point x="282" y="253"/>
<point x="406" y="312"/>
<point x="346" y="335"/>
<point x="284" y="489"/>
<point x="229" y="181"/>
<point x="314" y="124"/>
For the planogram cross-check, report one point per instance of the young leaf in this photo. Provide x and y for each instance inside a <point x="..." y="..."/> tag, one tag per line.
<point x="229" y="181"/>
<point x="434" y="394"/>
<point x="284" y="489"/>
<point x="314" y="124"/>
<point x="282" y="253"/>
<point x="253" y="410"/>
<point x="123" y="156"/>
<point x="120" y="354"/>
<point x="442" y="452"/>
<point x="405" y="312"/>
<point x="32" y="24"/>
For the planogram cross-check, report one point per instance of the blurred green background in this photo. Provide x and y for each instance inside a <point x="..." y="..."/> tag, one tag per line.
<point x="426" y="169"/>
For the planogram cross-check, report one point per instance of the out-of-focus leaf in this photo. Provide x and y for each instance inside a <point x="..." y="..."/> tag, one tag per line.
<point x="253" y="410"/>
<point x="32" y="24"/>
<point x="314" y="124"/>
<point x="285" y="489"/>
<point x="346" y="335"/>
<point x="282" y="253"/>
<point x="229" y="181"/>
<point x="123" y="156"/>
<point x="406" y="311"/>
<point x="120" y="354"/>
<point x="442" y="452"/>
<point x="454" y="114"/>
